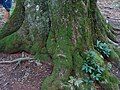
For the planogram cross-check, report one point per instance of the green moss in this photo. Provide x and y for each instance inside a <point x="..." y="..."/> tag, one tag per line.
<point x="117" y="50"/>
<point x="114" y="57"/>
<point x="10" y="43"/>
<point x="110" y="82"/>
<point x="78" y="62"/>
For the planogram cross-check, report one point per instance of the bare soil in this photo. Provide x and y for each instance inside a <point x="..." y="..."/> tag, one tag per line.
<point x="27" y="76"/>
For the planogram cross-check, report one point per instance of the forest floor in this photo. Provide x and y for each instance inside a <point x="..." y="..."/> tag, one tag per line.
<point x="30" y="74"/>
<point x="27" y="76"/>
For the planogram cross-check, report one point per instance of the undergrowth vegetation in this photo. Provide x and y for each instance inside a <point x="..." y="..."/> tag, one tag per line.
<point x="93" y="72"/>
<point x="103" y="48"/>
<point x="91" y="67"/>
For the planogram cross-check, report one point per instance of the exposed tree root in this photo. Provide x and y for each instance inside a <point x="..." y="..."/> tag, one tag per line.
<point x="16" y="60"/>
<point x="15" y="21"/>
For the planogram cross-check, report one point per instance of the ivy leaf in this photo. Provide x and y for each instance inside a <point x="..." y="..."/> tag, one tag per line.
<point x="98" y="42"/>
<point x="72" y="79"/>
<point x="103" y="48"/>
<point x="88" y="80"/>
<point x="78" y="82"/>
<point x="85" y="67"/>
<point x="96" y="76"/>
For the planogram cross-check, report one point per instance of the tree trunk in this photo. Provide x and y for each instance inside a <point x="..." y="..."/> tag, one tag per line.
<point x="62" y="31"/>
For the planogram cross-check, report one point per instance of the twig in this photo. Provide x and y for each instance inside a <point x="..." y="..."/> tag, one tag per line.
<point x="16" y="60"/>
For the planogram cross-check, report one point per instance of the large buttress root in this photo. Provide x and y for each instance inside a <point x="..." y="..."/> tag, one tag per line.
<point x="19" y="35"/>
<point x="9" y="40"/>
<point x="15" y="21"/>
<point x="79" y="27"/>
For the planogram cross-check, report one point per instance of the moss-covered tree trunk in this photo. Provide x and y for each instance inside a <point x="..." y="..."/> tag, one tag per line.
<point x="72" y="34"/>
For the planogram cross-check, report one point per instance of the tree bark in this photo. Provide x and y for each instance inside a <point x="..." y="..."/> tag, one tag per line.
<point x="60" y="31"/>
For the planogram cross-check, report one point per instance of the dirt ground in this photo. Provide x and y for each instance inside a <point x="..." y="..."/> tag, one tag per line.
<point x="27" y="76"/>
<point x="30" y="74"/>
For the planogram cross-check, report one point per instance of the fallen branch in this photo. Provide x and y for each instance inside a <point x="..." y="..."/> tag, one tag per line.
<point x="16" y="60"/>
